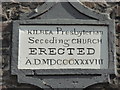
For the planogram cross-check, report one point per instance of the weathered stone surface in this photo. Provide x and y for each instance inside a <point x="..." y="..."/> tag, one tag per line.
<point x="118" y="51"/>
<point x="1" y="36"/>
<point x="90" y="4"/>
<point x="11" y="11"/>
<point x="5" y="62"/>
<point x="5" y="51"/>
<point x="1" y="74"/>
<point x="117" y="40"/>
<point x="118" y="11"/>
<point x="25" y="9"/>
<point x="118" y="29"/>
<point x="6" y="27"/>
<point x="0" y="61"/>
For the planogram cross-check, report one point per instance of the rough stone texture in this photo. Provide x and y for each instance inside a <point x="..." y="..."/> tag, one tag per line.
<point x="12" y="11"/>
<point x="8" y="80"/>
<point x="118" y="29"/>
<point x="100" y="7"/>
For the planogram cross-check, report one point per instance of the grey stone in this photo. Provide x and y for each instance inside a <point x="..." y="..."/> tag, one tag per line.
<point x="49" y="14"/>
<point x="0" y="61"/>
<point x="94" y="6"/>
<point x="1" y="36"/>
<point x="1" y="74"/>
<point x="118" y="51"/>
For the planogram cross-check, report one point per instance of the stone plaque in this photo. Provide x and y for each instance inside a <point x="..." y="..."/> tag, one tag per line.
<point x="63" y="47"/>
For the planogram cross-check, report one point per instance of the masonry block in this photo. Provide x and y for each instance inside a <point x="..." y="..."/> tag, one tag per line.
<point x="118" y="11"/>
<point x="118" y="29"/>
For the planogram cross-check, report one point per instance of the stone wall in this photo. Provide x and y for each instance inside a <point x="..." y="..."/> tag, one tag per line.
<point x="11" y="11"/>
